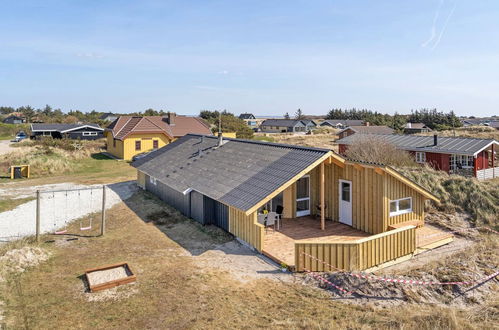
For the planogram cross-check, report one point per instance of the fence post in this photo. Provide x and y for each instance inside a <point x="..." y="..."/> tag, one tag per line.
<point x="103" y="213"/>
<point x="38" y="216"/>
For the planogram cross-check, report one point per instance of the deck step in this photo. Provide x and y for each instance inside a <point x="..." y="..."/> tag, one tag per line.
<point x="416" y="223"/>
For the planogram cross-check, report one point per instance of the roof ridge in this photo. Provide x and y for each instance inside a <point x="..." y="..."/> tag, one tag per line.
<point x="130" y="118"/>
<point x="161" y="128"/>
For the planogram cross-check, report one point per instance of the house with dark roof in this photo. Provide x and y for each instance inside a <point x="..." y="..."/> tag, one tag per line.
<point x="351" y="130"/>
<point x="108" y="116"/>
<point x="67" y="131"/>
<point x="14" y="119"/>
<point x="250" y="120"/>
<point x="246" y="116"/>
<point x="128" y="136"/>
<point x="457" y="155"/>
<point x="293" y="204"/>
<point x="413" y="128"/>
<point x="286" y="126"/>
<point x="341" y="123"/>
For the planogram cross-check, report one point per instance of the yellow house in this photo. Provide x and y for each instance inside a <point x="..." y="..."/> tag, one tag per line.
<point x="128" y="136"/>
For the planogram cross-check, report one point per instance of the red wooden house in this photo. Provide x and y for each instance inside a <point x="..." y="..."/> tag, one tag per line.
<point x="465" y="156"/>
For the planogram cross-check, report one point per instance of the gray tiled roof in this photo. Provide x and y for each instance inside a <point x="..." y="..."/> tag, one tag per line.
<point x="282" y="122"/>
<point x="60" y="127"/>
<point x="240" y="173"/>
<point x="448" y="145"/>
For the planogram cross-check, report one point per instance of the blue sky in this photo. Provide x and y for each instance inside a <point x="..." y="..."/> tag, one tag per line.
<point x="266" y="57"/>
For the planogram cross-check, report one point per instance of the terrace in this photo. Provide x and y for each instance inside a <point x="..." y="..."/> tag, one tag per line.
<point x="346" y="247"/>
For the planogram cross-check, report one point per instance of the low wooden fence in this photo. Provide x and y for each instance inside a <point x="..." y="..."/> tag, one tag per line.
<point x="488" y="173"/>
<point x="355" y="255"/>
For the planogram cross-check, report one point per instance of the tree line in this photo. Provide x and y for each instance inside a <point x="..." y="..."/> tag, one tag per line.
<point x="229" y="123"/>
<point x="432" y="118"/>
<point x="49" y="114"/>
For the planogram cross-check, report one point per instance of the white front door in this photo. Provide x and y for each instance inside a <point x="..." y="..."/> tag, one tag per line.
<point x="303" y="196"/>
<point x="345" y="196"/>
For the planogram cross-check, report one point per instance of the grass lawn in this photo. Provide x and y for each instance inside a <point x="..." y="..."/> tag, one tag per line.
<point x="174" y="290"/>
<point x="10" y="203"/>
<point x="96" y="169"/>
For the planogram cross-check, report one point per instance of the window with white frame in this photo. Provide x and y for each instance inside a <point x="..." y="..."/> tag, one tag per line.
<point x="461" y="161"/>
<point x="400" y="206"/>
<point x="420" y="157"/>
<point x="46" y="133"/>
<point x="89" y="133"/>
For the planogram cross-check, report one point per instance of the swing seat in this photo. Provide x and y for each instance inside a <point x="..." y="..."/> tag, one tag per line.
<point x="85" y="228"/>
<point x="60" y="232"/>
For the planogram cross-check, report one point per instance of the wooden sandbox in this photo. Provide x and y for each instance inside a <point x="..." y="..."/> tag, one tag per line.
<point x="109" y="276"/>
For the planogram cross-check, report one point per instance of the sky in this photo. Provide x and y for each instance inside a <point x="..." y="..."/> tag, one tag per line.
<point x="264" y="57"/>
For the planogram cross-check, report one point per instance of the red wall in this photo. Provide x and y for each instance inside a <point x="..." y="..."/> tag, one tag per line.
<point x="345" y="133"/>
<point x="482" y="160"/>
<point x="437" y="161"/>
<point x="342" y="148"/>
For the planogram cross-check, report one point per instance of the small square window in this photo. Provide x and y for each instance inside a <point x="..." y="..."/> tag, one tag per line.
<point x="404" y="204"/>
<point x="393" y="206"/>
<point x="400" y="206"/>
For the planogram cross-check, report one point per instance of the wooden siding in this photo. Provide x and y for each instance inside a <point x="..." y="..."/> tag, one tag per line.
<point x="394" y="189"/>
<point x="371" y="195"/>
<point x="357" y="255"/>
<point x="246" y="228"/>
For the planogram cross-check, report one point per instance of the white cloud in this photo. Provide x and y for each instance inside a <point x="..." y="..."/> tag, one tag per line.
<point x="434" y="39"/>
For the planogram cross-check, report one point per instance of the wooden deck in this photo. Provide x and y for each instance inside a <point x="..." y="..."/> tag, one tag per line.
<point x="429" y="237"/>
<point x="280" y="245"/>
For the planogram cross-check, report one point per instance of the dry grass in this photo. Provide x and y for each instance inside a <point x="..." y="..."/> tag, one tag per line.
<point x="375" y="149"/>
<point x="173" y="291"/>
<point x="479" y="199"/>
<point x="479" y="132"/>
<point x="7" y="204"/>
<point x="324" y="139"/>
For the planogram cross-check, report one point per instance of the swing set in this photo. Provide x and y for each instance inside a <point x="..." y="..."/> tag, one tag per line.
<point x="85" y="207"/>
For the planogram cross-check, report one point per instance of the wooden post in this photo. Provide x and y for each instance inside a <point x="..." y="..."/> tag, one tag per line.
<point x="38" y="216"/>
<point x="493" y="165"/>
<point x="103" y="212"/>
<point x="323" y="211"/>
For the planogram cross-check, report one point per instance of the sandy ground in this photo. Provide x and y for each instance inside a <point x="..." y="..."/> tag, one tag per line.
<point x="5" y="147"/>
<point x="57" y="209"/>
<point x="107" y="275"/>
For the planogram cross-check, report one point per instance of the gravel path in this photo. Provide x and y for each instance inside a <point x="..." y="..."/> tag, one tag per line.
<point x="59" y="208"/>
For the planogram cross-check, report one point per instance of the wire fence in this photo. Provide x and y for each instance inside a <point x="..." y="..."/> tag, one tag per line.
<point x="52" y="211"/>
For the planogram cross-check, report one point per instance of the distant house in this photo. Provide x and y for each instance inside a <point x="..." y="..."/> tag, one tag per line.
<point x="465" y="156"/>
<point x="341" y="124"/>
<point x="247" y="116"/>
<point x="351" y="130"/>
<point x="250" y="120"/>
<point x="67" y="131"/>
<point x="128" y="136"/>
<point x="108" y="116"/>
<point x="374" y="214"/>
<point x="413" y="128"/>
<point x="13" y="119"/>
<point x="311" y="124"/>
<point x="494" y="124"/>
<point x="285" y="126"/>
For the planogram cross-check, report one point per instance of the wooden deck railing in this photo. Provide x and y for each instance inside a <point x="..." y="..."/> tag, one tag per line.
<point x="355" y="255"/>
